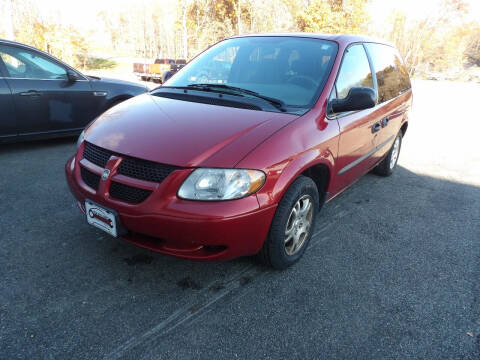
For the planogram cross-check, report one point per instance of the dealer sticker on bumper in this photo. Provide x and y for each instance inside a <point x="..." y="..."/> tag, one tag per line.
<point x="101" y="218"/>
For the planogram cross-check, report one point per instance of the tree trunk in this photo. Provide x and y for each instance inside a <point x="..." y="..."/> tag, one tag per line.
<point x="239" y="17"/>
<point x="8" y="20"/>
<point x="185" y="31"/>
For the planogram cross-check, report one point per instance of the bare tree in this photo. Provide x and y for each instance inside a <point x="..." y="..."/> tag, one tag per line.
<point x="239" y="16"/>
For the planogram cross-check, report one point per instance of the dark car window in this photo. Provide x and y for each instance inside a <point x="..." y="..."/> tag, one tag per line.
<point x="291" y="69"/>
<point x="165" y="61"/>
<point x="22" y="63"/>
<point x="392" y="76"/>
<point x="14" y="66"/>
<point x="354" y="71"/>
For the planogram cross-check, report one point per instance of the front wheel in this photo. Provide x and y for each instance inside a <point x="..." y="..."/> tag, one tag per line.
<point x="388" y="165"/>
<point x="292" y="225"/>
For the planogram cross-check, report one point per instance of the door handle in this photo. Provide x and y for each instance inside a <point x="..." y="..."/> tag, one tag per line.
<point x="385" y="121"/>
<point x="376" y="127"/>
<point x="30" y="93"/>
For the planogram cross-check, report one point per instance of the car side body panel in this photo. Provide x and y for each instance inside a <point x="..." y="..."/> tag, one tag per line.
<point x="395" y="112"/>
<point x="48" y="108"/>
<point x="8" y="119"/>
<point x="52" y="105"/>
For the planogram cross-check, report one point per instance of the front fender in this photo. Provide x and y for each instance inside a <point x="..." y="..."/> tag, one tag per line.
<point x="117" y="89"/>
<point x="281" y="176"/>
<point x="308" y="141"/>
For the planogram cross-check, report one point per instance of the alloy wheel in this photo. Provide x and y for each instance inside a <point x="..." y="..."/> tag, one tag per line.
<point x="395" y="151"/>
<point x="298" y="224"/>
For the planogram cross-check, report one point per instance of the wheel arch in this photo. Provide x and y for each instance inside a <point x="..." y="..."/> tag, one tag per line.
<point x="320" y="174"/>
<point x="317" y="169"/>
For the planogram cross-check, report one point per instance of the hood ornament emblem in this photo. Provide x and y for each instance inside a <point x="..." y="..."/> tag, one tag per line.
<point x="105" y="174"/>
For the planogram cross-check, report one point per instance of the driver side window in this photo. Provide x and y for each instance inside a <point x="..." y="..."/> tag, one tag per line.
<point x="25" y="64"/>
<point x="15" y="67"/>
<point x="354" y="71"/>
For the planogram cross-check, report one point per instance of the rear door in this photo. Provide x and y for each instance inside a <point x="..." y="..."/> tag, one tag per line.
<point x="8" y="121"/>
<point x="357" y="141"/>
<point x="44" y="98"/>
<point x="392" y="83"/>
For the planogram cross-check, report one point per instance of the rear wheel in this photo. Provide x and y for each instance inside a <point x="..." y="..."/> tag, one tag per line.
<point x="292" y="225"/>
<point x="388" y="165"/>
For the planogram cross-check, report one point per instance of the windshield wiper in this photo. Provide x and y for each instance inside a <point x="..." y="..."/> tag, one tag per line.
<point x="279" y="104"/>
<point x="227" y="89"/>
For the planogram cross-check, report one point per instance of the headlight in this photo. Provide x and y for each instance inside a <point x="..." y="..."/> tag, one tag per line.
<point x="221" y="184"/>
<point x="80" y="139"/>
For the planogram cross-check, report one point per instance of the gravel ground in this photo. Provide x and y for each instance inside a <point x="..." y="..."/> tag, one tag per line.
<point x="392" y="271"/>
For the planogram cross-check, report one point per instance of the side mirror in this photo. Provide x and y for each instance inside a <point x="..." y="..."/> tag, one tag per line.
<point x="72" y="76"/>
<point x="358" y="98"/>
<point x="166" y="75"/>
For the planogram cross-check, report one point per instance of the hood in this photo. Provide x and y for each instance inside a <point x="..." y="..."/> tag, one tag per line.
<point x="183" y="133"/>
<point x="101" y="81"/>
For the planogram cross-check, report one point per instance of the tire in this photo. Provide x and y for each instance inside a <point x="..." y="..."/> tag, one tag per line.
<point x="388" y="166"/>
<point x="276" y="251"/>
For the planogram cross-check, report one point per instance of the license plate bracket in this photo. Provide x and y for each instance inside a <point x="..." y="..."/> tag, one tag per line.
<point x="103" y="218"/>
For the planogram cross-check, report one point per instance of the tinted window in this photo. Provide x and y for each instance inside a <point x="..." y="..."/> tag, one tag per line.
<point x="291" y="69"/>
<point x="354" y="71"/>
<point x="15" y="67"/>
<point x="392" y="76"/>
<point x="27" y="64"/>
<point x="165" y="61"/>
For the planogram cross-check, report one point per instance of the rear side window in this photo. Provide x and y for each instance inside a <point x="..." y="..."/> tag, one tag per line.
<point x="354" y="72"/>
<point x="392" y="76"/>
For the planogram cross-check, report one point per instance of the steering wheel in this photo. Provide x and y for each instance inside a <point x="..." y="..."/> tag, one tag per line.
<point x="304" y="81"/>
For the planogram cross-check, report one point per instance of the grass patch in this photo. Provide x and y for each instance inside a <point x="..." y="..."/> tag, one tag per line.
<point x="93" y="63"/>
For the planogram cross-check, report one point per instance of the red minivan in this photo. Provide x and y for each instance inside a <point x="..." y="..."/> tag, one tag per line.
<point x="239" y="162"/>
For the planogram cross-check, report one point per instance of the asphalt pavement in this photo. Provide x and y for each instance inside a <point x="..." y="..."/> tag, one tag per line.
<point x="392" y="271"/>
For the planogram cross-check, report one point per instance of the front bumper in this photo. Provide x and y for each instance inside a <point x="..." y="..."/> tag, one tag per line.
<point x="188" y="229"/>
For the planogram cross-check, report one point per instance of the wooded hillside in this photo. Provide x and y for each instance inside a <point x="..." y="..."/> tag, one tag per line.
<point x="444" y="40"/>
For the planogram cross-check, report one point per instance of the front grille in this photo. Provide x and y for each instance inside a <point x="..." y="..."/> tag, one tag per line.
<point x="90" y="178"/>
<point x="128" y="193"/>
<point x="131" y="167"/>
<point x="96" y="154"/>
<point x="144" y="170"/>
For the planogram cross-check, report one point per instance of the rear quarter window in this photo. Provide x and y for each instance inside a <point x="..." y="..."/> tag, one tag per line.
<point x="392" y="76"/>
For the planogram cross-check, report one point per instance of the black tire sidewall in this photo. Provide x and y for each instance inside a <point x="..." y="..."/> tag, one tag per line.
<point x="383" y="168"/>
<point x="279" y="259"/>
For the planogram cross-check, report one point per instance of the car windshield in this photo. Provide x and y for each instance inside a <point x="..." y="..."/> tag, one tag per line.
<point x="290" y="69"/>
